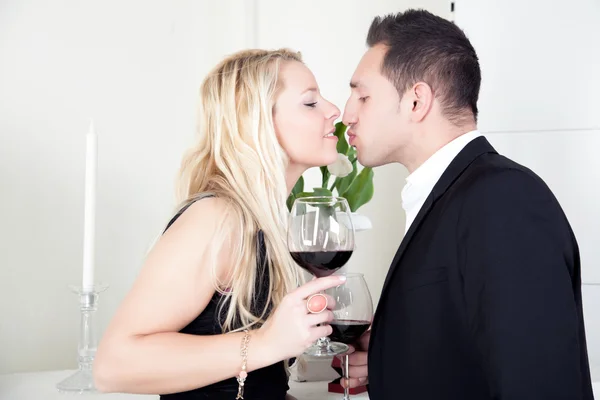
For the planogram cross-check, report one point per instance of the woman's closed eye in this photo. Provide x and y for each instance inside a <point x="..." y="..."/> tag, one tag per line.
<point x="311" y="105"/>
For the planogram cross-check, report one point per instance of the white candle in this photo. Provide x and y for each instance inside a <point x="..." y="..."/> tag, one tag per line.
<point x="91" y="158"/>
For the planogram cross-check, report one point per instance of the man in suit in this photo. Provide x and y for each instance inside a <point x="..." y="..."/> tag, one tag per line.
<point x="483" y="298"/>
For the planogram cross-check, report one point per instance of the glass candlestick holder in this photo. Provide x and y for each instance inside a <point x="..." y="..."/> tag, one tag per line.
<point x="82" y="380"/>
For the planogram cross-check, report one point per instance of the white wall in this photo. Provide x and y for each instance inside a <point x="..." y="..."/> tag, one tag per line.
<point x="539" y="106"/>
<point x="135" y="67"/>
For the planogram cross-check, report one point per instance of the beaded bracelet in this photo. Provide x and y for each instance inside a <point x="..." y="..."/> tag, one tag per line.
<point x="241" y="378"/>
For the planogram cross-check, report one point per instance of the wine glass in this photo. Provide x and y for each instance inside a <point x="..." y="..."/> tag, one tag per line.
<point x="321" y="240"/>
<point x="353" y="313"/>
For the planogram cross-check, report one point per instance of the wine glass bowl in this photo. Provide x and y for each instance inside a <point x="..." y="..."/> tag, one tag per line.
<point x="321" y="234"/>
<point x="353" y="313"/>
<point x="353" y="310"/>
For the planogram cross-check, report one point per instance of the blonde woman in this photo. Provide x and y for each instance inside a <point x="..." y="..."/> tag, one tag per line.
<point x="218" y="296"/>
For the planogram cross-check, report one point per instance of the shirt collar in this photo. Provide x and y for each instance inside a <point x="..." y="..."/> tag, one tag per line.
<point x="434" y="166"/>
<point x="420" y="183"/>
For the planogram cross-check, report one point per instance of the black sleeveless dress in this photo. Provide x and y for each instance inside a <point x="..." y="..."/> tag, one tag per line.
<point x="269" y="383"/>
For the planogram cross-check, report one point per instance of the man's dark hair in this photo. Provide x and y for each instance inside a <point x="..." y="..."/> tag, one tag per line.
<point x="422" y="47"/>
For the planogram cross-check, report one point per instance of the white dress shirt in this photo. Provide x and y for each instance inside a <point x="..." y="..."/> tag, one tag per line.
<point x="420" y="183"/>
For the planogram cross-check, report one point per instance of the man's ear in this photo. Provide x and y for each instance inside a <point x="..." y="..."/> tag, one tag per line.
<point x="422" y="97"/>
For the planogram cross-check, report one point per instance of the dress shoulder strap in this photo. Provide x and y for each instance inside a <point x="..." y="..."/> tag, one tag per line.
<point x="198" y="197"/>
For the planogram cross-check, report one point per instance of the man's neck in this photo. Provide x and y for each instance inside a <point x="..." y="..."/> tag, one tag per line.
<point x="429" y="142"/>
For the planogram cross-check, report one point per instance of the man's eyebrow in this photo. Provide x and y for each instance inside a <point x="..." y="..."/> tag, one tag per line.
<point x="354" y="84"/>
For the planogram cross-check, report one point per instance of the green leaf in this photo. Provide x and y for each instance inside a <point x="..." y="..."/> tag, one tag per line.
<point x="340" y="132"/>
<point x="298" y="188"/>
<point x="322" y="192"/>
<point x="351" y="154"/>
<point x="316" y="193"/>
<point x="361" y="189"/>
<point x="324" y="177"/>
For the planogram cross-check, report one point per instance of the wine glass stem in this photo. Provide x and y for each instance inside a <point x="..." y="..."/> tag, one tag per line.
<point x="323" y="343"/>
<point x="346" y="377"/>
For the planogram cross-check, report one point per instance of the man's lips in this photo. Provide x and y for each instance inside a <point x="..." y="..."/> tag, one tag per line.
<point x="351" y="137"/>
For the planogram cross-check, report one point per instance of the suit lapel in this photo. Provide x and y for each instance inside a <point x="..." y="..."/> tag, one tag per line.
<point x="407" y="238"/>
<point x="472" y="151"/>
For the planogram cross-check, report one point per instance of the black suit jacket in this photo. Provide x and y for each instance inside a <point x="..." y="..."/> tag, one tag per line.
<point x="483" y="298"/>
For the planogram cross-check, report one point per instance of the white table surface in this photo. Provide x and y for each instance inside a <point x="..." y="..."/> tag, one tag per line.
<point x="42" y="386"/>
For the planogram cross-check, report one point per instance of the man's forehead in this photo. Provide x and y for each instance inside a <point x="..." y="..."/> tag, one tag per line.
<point x="373" y="58"/>
<point x="368" y="67"/>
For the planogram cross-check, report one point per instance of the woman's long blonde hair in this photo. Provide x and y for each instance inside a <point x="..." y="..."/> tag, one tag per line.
<point x="238" y="158"/>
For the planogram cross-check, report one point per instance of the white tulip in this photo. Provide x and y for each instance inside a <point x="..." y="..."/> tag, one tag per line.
<point x="341" y="167"/>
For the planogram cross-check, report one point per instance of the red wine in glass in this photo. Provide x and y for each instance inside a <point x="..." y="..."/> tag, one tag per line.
<point x="348" y="331"/>
<point x="321" y="263"/>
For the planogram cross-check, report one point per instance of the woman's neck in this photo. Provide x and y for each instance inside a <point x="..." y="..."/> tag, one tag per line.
<point x="292" y="174"/>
